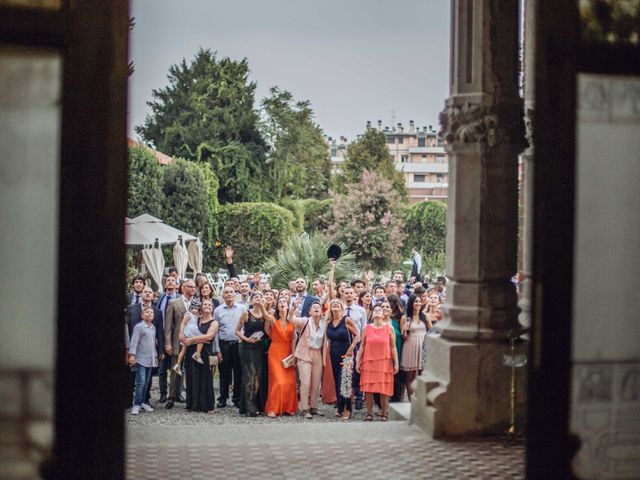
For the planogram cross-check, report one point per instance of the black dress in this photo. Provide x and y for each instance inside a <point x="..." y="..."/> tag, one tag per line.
<point x="252" y="358"/>
<point x="200" y="396"/>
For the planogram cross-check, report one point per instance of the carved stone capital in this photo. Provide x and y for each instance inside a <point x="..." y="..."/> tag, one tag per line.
<point x="476" y="123"/>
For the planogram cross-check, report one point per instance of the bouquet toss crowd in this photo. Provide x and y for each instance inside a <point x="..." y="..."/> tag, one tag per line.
<point x="279" y="352"/>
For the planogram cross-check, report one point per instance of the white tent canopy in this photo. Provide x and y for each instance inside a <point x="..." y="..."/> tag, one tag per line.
<point x="180" y="258"/>
<point x="154" y="260"/>
<point x="145" y="229"/>
<point x="195" y="256"/>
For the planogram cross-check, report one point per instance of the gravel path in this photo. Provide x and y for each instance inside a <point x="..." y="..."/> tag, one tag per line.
<point x="229" y="415"/>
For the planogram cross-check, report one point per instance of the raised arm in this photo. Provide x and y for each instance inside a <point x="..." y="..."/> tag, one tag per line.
<point x="228" y="255"/>
<point x="330" y="283"/>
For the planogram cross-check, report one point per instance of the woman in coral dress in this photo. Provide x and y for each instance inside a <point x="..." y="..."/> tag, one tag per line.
<point x="377" y="363"/>
<point x="282" y="396"/>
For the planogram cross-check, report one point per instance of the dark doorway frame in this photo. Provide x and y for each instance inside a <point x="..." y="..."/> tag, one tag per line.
<point x="92" y="37"/>
<point x="561" y="55"/>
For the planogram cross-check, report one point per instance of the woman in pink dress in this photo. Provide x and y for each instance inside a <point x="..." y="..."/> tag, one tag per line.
<point x="414" y="334"/>
<point x="377" y="363"/>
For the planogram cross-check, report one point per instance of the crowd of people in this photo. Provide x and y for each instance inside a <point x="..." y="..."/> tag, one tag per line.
<point x="278" y="352"/>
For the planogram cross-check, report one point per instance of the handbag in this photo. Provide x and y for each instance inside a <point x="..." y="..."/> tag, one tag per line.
<point x="213" y="361"/>
<point x="346" y="374"/>
<point x="290" y="360"/>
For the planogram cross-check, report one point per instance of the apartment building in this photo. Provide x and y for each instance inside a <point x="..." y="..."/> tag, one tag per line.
<point x="417" y="152"/>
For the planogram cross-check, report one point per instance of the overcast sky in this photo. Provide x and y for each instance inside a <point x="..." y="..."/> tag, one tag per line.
<point x="354" y="60"/>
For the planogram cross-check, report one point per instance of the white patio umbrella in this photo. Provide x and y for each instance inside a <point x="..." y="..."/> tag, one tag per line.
<point x="154" y="260"/>
<point x="145" y="229"/>
<point x="180" y="257"/>
<point x="195" y="255"/>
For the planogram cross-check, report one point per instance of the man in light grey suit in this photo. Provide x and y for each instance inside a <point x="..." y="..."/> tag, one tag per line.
<point x="173" y="319"/>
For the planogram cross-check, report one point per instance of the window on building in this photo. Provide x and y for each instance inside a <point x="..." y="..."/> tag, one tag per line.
<point x="334" y="152"/>
<point x="391" y="139"/>
<point x="400" y="139"/>
<point x="440" y="160"/>
<point x="424" y="158"/>
<point x="440" y="177"/>
<point x="404" y="158"/>
<point x="418" y="178"/>
<point x="421" y="141"/>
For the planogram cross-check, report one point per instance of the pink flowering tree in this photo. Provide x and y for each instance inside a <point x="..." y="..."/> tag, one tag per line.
<point x="369" y="220"/>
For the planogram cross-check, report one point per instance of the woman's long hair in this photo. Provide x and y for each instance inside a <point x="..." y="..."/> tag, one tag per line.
<point x="277" y="313"/>
<point x="330" y="313"/>
<point x="410" y="310"/>
<point x="396" y="306"/>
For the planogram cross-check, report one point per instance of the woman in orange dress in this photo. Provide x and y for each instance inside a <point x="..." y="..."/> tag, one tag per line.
<point x="377" y="363"/>
<point x="282" y="396"/>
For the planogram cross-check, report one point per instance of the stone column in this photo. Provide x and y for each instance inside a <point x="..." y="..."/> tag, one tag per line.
<point x="527" y="157"/>
<point x="465" y="388"/>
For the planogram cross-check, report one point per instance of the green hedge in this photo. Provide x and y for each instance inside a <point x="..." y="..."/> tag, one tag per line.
<point x="426" y="228"/>
<point x="296" y="207"/>
<point x="317" y="214"/>
<point x="255" y="230"/>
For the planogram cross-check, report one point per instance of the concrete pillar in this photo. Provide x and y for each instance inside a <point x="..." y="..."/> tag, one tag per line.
<point x="527" y="157"/>
<point x="465" y="388"/>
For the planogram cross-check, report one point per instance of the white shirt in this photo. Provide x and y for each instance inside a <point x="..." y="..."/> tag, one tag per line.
<point x="356" y="313"/>
<point x="317" y="335"/>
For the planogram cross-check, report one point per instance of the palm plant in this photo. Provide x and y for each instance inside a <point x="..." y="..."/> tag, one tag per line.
<point x="306" y="256"/>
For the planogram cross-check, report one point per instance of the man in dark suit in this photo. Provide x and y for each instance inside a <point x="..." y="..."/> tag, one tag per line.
<point x="173" y="319"/>
<point x="416" y="266"/>
<point x="167" y="296"/>
<point x="133" y="316"/>
<point x="302" y="299"/>
<point x="135" y="295"/>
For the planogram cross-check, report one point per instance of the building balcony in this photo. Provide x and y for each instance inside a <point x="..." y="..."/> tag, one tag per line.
<point x="411" y="185"/>
<point x="421" y="167"/>
<point x="436" y="150"/>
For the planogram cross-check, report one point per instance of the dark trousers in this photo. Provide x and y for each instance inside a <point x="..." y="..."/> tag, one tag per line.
<point x="336" y="353"/>
<point x="357" y="393"/>
<point x="163" y="369"/>
<point x="398" y="386"/>
<point x="230" y="367"/>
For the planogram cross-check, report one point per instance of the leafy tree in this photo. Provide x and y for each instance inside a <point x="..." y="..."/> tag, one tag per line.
<point x="426" y="227"/>
<point x="369" y="221"/>
<point x="145" y="180"/>
<point x="318" y="215"/>
<point x="256" y="230"/>
<point x="210" y="102"/>
<point x="241" y="178"/>
<point x="369" y="152"/>
<point x="305" y="256"/>
<point x="299" y="162"/>
<point x="187" y="203"/>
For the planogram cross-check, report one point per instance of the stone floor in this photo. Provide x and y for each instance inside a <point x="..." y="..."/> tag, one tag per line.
<point x="276" y="450"/>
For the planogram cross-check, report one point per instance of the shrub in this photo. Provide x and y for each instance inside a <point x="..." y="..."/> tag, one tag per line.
<point x="306" y="256"/>
<point x="145" y="183"/>
<point x="296" y="207"/>
<point x="188" y="202"/>
<point x="369" y="221"/>
<point x="255" y="230"/>
<point x="426" y="227"/>
<point x="318" y="214"/>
